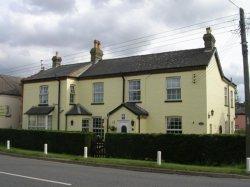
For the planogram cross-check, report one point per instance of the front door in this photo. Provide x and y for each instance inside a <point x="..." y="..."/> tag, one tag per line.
<point x="123" y="126"/>
<point x="124" y="129"/>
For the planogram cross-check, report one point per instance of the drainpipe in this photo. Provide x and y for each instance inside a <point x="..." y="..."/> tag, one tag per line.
<point x="59" y="104"/>
<point x="139" y="124"/>
<point x="66" y="122"/>
<point x="123" y="88"/>
<point x="228" y="109"/>
<point x="108" y="123"/>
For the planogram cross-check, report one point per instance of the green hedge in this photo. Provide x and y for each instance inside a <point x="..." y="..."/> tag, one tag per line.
<point x="58" y="142"/>
<point x="194" y="149"/>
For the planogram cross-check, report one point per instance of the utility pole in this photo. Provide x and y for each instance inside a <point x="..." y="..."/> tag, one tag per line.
<point x="246" y="82"/>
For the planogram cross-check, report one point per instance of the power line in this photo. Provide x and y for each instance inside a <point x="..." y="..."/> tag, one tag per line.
<point x="37" y="67"/>
<point x="145" y="36"/>
<point x="233" y="3"/>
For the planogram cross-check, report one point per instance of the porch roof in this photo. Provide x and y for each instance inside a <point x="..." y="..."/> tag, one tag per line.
<point x="78" y="109"/>
<point x="132" y="107"/>
<point x="40" y="110"/>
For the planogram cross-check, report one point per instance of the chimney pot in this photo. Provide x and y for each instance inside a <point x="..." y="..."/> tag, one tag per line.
<point x="209" y="40"/>
<point x="96" y="52"/>
<point x="56" y="60"/>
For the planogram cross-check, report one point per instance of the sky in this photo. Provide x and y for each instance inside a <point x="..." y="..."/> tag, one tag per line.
<point x="32" y="30"/>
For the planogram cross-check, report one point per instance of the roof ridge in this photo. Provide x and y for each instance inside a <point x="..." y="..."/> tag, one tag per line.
<point x="153" y="54"/>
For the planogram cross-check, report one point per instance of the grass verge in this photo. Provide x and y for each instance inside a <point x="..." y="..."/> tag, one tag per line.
<point x="235" y="169"/>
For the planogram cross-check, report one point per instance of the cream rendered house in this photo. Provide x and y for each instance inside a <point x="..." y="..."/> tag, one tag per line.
<point x="10" y="102"/>
<point x="171" y="92"/>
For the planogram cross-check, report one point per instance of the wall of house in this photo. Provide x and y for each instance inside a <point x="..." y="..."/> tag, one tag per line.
<point x="14" y="119"/>
<point x="216" y="101"/>
<point x="31" y="98"/>
<point x="77" y="122"/>
<point x="240" y="122"/>
<point x="153" y="96"/>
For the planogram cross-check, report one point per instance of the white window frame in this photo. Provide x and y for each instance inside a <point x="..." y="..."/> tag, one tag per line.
<point x="134" y="90"/>
<point x="98" y="93"/>
<point x="72" y="94"/>
<point x="46" y="125"/>
<point x="172" y="86"/>
<point x="170" y="130"/>
<point x="44" y="94"/>
<point x="85" y="126"/>
<point x="226" y="96"/>
<point x="98" y="128"/>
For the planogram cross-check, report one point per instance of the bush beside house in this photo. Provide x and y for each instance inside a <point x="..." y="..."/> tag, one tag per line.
<point x="58" y="142"/>
<point x="189" y="149"/>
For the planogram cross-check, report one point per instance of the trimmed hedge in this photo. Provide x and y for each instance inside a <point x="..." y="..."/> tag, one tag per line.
<point x="186" y="149"/>
<point x="58" y="141"/>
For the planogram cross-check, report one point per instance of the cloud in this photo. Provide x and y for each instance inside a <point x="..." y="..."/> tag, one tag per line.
<point x="53" y="6"/>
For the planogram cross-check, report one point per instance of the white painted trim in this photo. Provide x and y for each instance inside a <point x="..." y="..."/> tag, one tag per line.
<point x="34" y="178"/>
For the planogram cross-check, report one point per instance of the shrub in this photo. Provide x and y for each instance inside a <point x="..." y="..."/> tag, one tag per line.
<point x="58" y="141"/>
<point x="194" y="149"/>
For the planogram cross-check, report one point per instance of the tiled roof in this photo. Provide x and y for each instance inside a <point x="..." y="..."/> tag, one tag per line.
<point x="71" y="70"/>
<point x="133" y="107"/>
<point x="40" y="110"/>
<point x="151" y="62"/>
<point x="10" y="85"/>
<point x="78" y="110"/>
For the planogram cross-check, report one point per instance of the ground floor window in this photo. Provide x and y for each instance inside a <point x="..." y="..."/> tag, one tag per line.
<point x="174" y="125"/>
<point x="40" y="122"/>
<point x="85" y="125"/>
<point x="98" y="128"/>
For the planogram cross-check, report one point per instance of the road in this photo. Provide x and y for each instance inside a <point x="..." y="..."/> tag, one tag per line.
<point x="23" y="172"/>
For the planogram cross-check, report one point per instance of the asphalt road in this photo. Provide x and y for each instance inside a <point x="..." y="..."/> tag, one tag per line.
<point x="23" y="172"/>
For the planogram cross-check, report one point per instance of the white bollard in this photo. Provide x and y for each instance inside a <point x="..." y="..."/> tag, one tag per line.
<point x="85" y="152"/>
<point x="248" y="165"/>
<point x="45" y="149"/>
<point x="8" y="144"/>
<point x="159" y="158"/>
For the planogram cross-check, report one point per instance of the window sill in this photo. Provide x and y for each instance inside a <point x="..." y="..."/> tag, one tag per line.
<point x="97" y="103"/>
<point x="173" y="101"/>
<point x="226" y="105"/>
<point x="72" y="104"/>
<point x="134" y="101"/>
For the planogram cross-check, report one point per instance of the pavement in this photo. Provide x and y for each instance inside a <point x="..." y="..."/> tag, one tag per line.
<point x="27" y="172"/>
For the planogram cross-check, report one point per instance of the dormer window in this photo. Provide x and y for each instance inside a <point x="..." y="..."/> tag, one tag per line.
<point x="44" y="94"/>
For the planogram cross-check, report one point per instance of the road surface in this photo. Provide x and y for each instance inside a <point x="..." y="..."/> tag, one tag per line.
<point x="23" y="172"/>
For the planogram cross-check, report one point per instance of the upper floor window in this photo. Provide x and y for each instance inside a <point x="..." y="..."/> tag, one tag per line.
<point x="134" y="90"/>
<point x="226" y="96"/>
<point x="98" y="92"/>
<point x="173" y="88"/>
<point x="44" y="92"/>
<point x="72" y="94"/>
<point x="232" y="98"/>
<point x="174" y="125"/>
